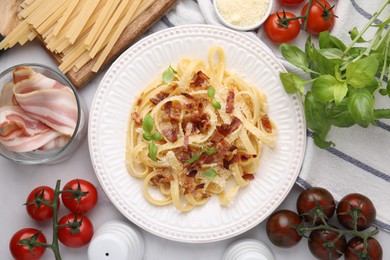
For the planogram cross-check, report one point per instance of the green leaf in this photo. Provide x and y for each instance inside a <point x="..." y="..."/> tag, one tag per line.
<point x="147" y="136"/>
<point x="210" y="174"/>
<point x="295" y="56"/>
<point x="147" y="123"/>
<point x="152" y="151"/>
<point x="327" y="88"/>
<point x="292" y="83"/>
<point x="321" y="142"/>
<point x="193" y="158"/>
<point x="211" y="92"/>
<point x="216" y="104"/>
<point x="340" y="91"/>
<point x="361" y="73"/>
<point x="340" y="115"/>
<point x="168" y="75"/>
<point x="211" y="151"/>
<point x="354" y="33"/>
<point x="361" y="107"/>
<point x="316" y="116"/>
<point x="332" y="54"/>
<point x="328" y="41"/>
<point x="157" y="136"/>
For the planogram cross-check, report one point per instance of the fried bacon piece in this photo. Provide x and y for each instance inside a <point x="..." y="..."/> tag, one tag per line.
<point x="266" y="123"/>
<point x="199" y="80"/>
<point x="137" y="118"/>
<point x="159" y="97"/>
<point x="230" y="101"/>
<point x="172" y="134"/>
<point x="226" y="129"/>
<point x="248" y="177"/>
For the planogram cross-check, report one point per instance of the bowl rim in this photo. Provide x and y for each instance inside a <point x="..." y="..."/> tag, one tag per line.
<point x="243" y="28"/>
<point x="57" y="154"/>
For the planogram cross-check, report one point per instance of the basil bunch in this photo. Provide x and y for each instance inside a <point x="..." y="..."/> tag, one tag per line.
<point x="343" y="80"/>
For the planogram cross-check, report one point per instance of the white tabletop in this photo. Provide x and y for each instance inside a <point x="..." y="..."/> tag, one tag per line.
<point x="17" y="181"/>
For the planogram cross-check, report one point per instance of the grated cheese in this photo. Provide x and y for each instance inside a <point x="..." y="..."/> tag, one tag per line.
<point x="242" y="13"/>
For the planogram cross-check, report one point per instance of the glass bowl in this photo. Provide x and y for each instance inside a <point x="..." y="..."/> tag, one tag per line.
<point x="250" y="27"/>
<point x="54" y="155"/>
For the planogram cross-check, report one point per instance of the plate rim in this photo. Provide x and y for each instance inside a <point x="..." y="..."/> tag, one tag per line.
<point x="200" y="28"/>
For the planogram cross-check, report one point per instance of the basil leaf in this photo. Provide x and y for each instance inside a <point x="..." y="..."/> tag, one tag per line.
<point x="321" y="143"/>
<point x="361" y="73"/>
<point x="292" y="83"/>
<point x="147" y="123"/>
<point x="210" y="174"/>
<point x="168" y="75"/>
<point x="328" y="41"/>
<point x="216" y="104"/>
<point x="295" y="56"/>
<point x="327" y="88"/>
<point x="147" y="136"/>
<point x="316" y="116"/>
<point x="340" y="115"/>
<point x="211" y="151"/>
<point x="361" y="107"/>
<point x="156" y="136"/>
<point x="211" y="92"/>
<point x="152" y="151"/>
<point x="354" y="33"/>
<point x="332" y="54"/>
<point x="193" y="158"/>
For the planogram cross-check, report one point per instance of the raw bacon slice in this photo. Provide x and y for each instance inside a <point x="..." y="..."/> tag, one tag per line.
<point x="49" y="101"/>
<point x="7" y="95"/>
<point x="21" y="133"/>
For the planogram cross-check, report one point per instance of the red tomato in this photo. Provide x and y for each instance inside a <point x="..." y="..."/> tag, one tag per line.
<point x="35" y="205"/>
<point x="78" y="231"/>
<point x="359" y="204"/>
<point x="22" y="246"/>
<point x="355" y="249"/>
<point x="321" y="17"/>
<point x="291" y="2"/>
<point x="281" y="229"/>
<point x="314" y="200"/>
<point x="322" y="244"/>
<point x="83" y="199"/>
<point x="280" y="29"/>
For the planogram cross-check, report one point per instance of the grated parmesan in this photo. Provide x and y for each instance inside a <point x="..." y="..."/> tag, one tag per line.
<point x="242" y="13"/>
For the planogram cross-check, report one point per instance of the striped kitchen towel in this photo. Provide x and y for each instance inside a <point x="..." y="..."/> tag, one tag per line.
<point x="360" y="161"/>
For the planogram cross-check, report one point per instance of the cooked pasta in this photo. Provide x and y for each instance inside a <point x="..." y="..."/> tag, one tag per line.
<point x="196" y="132"/>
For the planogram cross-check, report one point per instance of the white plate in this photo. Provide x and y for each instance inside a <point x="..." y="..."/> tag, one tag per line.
<point x="109" y="115"/>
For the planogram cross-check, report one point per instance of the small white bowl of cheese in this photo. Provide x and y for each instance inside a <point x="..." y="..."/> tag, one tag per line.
<point x="243" y="15"/>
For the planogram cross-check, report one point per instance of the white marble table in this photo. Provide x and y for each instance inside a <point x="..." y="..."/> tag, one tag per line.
<point x="18" y="180"/>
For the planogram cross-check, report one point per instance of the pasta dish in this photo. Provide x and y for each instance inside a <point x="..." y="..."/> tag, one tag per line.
<point x="197" y="131"/>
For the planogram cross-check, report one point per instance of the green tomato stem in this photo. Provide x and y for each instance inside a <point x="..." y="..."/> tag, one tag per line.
<point x="54" y="245"/>
<point x="307" y="14"/>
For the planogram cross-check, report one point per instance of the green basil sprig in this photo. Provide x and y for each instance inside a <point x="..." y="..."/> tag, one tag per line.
<point x="168" y="75"/>
<point x="211" y="94"/>
<point x="196" y="157"/>
<point x="147" y="126"/>
<point x="342" y="80"/>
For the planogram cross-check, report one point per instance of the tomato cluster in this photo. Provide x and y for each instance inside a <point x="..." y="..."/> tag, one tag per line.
<point x="316" y="16"/>
<point x="73" y="230"/>
<point x="326" y="240"/>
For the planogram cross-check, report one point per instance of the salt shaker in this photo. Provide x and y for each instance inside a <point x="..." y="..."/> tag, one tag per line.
<point x="248" y="249"/>
<point x="116" y="240"/>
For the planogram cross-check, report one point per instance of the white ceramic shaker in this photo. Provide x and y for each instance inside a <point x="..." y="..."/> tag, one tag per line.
<point x="248" y="249"/>
<point x="116" y="240"/>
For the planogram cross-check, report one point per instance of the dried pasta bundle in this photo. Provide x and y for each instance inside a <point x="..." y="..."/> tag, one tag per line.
<point x="77" y="30"/>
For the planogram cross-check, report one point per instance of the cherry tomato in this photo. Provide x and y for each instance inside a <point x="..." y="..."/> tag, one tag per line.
<point x="35" y="206"/>
<point x="77" y="233"/>
<point x="83" y="200"/>
<point x="291" y="2"/>
<point x="279" y="29"/>
<point x="280" y="228"/>
<point x="315" y="199"/>
<point x="359" y="204"/>
<point x="355" y="248"/>
<point x="321" y="17"/>
<point x="21" y="244"/>
<point x="320" y="244"/>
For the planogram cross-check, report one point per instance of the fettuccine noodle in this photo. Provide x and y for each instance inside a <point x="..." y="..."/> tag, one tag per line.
<point x="205" y="138"/>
